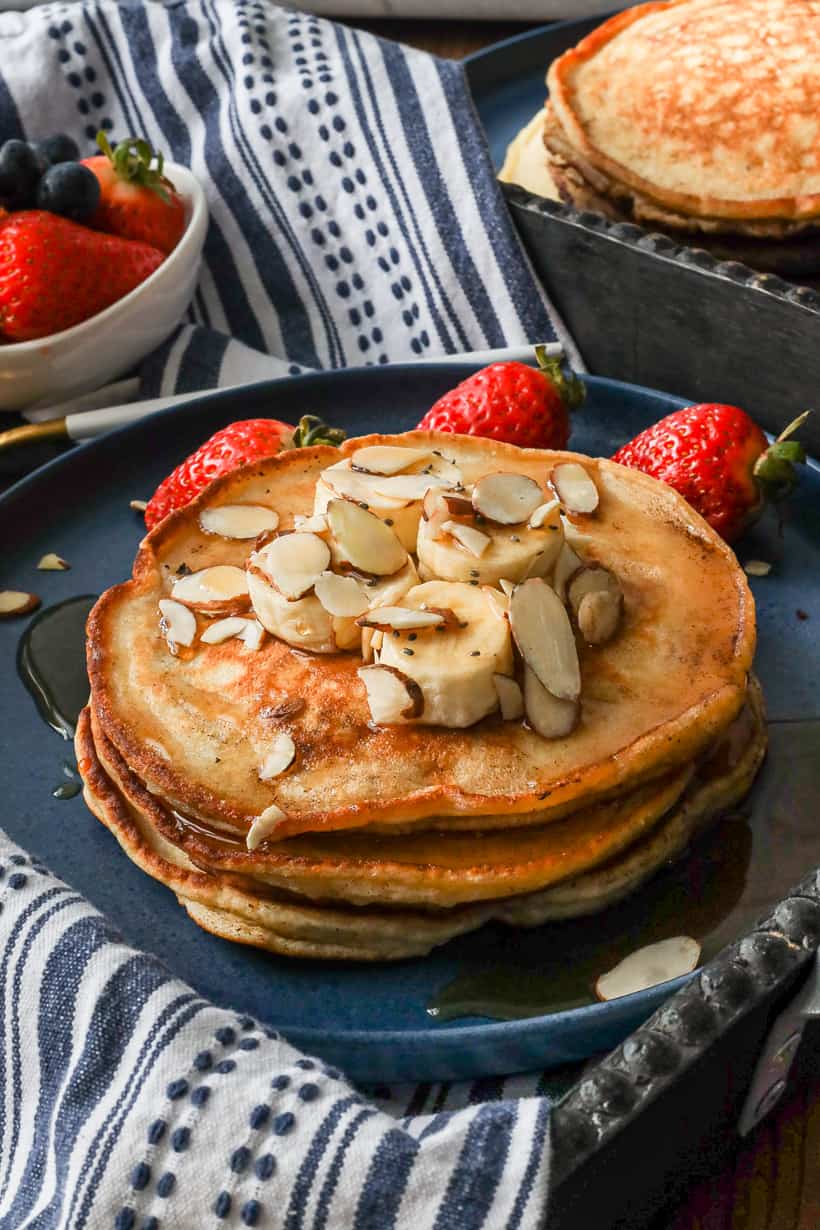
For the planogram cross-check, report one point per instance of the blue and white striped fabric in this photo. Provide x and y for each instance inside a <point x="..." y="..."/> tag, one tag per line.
<point x="354" y="213"/>
<point x="355" y="218"/>
<point x="129" y="1103"/>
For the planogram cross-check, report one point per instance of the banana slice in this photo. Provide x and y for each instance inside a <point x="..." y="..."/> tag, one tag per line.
<point x="454" y="667"/>
<point x="342" y="482"/>
<point x="513" y="552"/>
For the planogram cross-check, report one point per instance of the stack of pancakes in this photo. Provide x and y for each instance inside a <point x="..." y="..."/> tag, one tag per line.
<point x="695" y="117"/>
<point x="381" y="840"/>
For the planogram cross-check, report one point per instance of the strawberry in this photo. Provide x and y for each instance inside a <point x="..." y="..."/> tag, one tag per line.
<point x="235" y="445"/>
<point x="136" y="200"/>
<point x="511" y="402"/>
<point x="719" y="460"/>
<point x="55" y="273"/>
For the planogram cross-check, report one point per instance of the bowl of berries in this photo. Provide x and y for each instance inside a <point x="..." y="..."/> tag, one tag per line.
<point x="99" y="259"/>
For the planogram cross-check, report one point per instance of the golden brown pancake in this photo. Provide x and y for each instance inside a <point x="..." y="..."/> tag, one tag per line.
<point x="193" y="727"/>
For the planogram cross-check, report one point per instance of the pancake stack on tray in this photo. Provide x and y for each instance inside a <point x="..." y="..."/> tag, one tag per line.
<point x="694" y="117"/>
<point x="355" y="702"/>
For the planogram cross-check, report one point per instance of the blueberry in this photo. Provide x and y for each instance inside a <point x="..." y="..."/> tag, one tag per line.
<point x="69" y="189"/>
<point x="58" y="148"/>
<point x="19" y="173"/>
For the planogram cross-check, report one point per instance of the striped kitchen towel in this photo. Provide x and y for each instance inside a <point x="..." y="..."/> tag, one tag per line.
<point x="355" y="216"/>
<point x="129" y="1103"/>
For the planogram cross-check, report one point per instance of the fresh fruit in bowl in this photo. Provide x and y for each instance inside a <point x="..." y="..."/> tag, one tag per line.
<point x="137" y="200"/>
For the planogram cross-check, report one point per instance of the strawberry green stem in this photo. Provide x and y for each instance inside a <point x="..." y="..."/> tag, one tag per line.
<point x="774" y="469"/>
<point x="313" y="430"/>
<point x="571" y="390"/>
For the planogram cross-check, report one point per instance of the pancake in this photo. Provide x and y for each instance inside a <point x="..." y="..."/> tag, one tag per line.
<point x="707" y="107"/>
<point x="239" y="908"/>
<point x="195" y="727"/>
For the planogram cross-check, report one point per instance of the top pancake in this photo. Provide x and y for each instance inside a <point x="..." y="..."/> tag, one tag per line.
<point x="194" y="727"/>
<point x="709" y="107"/>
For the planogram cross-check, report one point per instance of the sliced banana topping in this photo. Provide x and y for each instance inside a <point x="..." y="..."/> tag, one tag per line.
<point x="460" y="551"/>
<point x="510" y="698"/>
<point x="387" y="458"/>
<point x="263" y="826"/>
<point x="342" y="482"/>
<point x="453" y="663"/>
<point x="238" y="520"/>
<point x="402" y="618"/>
<point x="392" y="696"/>
<point x="341" y="595"/>
<point x="221" y="589"/>
<point x="507" y="499"/>
<point x="364" y="541"/>
<point x="293" y="562"/>
<point x="278" y="758"/>
<point x="177" y="624"/>
<point x="574" y="487"/>
<point x="543" y="634"/>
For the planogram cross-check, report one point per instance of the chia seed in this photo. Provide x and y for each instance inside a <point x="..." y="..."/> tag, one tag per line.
<point x="514" y="538"/>
<point x="413" y="636"/>
<point x="475" y="653"/>
<point x="388" y="521"/>
<point x="362" y="504"/>
<point x="409" y="652"/>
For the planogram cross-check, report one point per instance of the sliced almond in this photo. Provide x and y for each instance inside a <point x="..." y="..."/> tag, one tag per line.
<point x="400" y="618"/>
<point x="253" y="634"/>
<point x="368" y="651"/>
<point x="648" y="966"/>
<point x="507" y="499"/>
<point x="566" y="566"/>
<point x="498" y="603"/>
<point x="294" y="562"/>
<point x="543" y="634"/>
<point x="351" y="485"/>
<point x="177" y="624"/>
<point x="138" y="505"/>
<point x="407" y="487"/>
<point x="365" y="541"/>
<point x="386" y="459"/>
<point x="545" y="514"/>
<point x="278" y="758"/>
<point x="223" y="629"/>
<point x="391" y="695"/>
<point x="510" y="698"/>
<point x="342" y="596"/>
<point x="238" y="520"/>
<point x="435" y="511"/>
<point x="549" y="716"/>
<point x="17" y="602"/>
<point x="221" y="589"/>
<point x="471" y="539"/>
<point x="53" y="563"/>
<point x="589" y="579"/>
<point x="574" y="487"/>
<point x="506" y="586"/>
<point x="757" y="568"/>
<point x="317" y="524"/>
<point x="264" y="825"/>
<point x="445" y="468"/>
<point x="598" y="617"/>
<point x="458" y="505"/>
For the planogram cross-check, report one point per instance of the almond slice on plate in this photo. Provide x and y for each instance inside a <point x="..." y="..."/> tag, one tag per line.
<point x="407" y="487"/>
<point x="549" y="716"/>
<point x="253" y="634"/>
<point x="566" y="566"/>
<point x="543" y="634"/>
<point x="213" y="589"/>
<point x="445" y="468"/>
<point x="471" y="539"/>
<point x="596" y="598"/>
<point x="316" y="524"/>
<point x="506" y="586"/>
<point x="342" y="596"/>
<point x="545" y="514"/>
<point x="264" y="825"/>
<point x="238" y="520"/>
<point x="223" y="629"/>
<point x="386" y="459"/>
<point x="458" y="505"/>
<point x="498" y="602"/>
<point x="365" y="541"/>
<point x="510" y="698"/>
<point x="53" y="563"/>
<point x="352" y="485"/>
<point x="178" y="623"/>
<point x="294" y="562"/>
<point x="507" y="499"/>
<point x="435" y="511"/>
<point x="401" y="618"/>
<point x="17" y="602"/>
<point x="574" y="487"/>
<point x="278" y="758"/>
<point x="648" y="966"/>
<point x="391" y="695"/>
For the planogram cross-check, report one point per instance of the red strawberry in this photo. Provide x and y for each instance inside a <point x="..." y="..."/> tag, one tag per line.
<point x="235" y="445"/>
<point x="719" y="460"/>
<point x="511" y="402"/>
<point x="55" y="273"/>
<point x="136" y="199"/>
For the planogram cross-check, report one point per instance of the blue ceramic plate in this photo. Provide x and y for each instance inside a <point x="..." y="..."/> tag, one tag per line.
<point x="373" y="1020"/>
<point x="507" y="79"/>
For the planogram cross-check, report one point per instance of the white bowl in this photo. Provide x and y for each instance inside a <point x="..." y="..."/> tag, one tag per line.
<point x="105" y="346"/>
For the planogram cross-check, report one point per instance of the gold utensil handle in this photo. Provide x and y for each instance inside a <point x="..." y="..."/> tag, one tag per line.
<point x="32" y="433"/>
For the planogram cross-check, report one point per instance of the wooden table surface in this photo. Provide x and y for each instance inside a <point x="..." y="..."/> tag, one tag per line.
<point x="773" y="1179"/>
